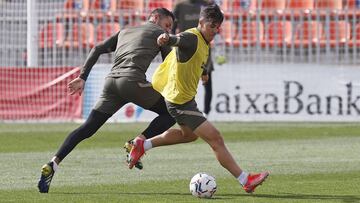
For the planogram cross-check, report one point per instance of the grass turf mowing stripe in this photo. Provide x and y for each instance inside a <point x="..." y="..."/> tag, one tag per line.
<point x="106" y="166"/>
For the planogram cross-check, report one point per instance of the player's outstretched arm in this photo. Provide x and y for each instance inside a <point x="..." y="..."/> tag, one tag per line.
<point x="106" y="46"/>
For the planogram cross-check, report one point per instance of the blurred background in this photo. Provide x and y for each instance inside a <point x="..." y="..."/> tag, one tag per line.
<point x="275" y="60"/>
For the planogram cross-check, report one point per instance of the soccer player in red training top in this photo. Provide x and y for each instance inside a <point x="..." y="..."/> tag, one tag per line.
<point x="177" y="80"/>
<point x="134" y="48"/>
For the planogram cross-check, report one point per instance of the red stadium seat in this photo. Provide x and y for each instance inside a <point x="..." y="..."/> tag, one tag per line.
<point x="47" y="34"/>
<point x="104" y="5"/>
<point x="152" y="4"/>
<point x="229" y="32"/>
<point x="81" y="6"/>
<point x="137" y="5"/>
<point x="352" y="5"/>
<point x="300" y="7"/>
<point x="81" y="35"/>
<point x="250" y="33"/>
<point x="277" y="34"/>
<point x="339" y="34"/>
<point x="234" y="6"/>
<point x="333" y="5"/>
<point x="103" y="31"/>
<point x="355" y="39"/>
<point x="272" y="6"/>
<point x="308" y="33"/>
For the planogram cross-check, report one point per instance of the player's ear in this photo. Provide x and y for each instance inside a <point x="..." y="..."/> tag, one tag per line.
<point x="201" y="22"/>
<point x="156" y="17"/>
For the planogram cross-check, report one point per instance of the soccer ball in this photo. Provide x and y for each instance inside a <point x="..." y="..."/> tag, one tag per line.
<point x="202" y="185"/>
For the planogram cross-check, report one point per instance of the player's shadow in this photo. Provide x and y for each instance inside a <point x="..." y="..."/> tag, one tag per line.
<point x="290" y="196"/>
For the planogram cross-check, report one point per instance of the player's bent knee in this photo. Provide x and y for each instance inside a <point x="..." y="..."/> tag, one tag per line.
<point x="192" y="138"/>
<point x="217" y="142"/>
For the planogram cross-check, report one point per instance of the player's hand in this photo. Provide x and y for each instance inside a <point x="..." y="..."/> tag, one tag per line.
<point x="204" y="79"/>
<point x="163" y="39"/>
<point x="76" y="86"/>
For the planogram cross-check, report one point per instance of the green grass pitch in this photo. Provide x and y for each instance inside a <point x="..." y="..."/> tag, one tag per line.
<point x="309" y="162"/>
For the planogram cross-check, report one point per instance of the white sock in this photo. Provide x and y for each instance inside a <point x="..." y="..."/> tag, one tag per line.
<point x="55" y="165"/>
<point x="147" y="145"/>
<point x="243" y="178"/>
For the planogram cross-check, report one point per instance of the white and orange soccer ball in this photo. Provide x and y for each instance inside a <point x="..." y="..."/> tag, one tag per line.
<point x="202" y="185"/>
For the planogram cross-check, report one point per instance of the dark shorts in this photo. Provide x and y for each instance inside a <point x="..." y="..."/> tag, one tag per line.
<point x="186" y="114"/>
<point x="119" y="91"/>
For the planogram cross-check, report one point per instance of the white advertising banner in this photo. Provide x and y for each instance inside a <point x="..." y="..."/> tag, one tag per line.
<point x="270" y="92"/>
<point x="286" y="92"/>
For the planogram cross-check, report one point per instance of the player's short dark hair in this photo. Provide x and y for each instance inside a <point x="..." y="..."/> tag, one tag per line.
<point x="162" y="12"/>
<point x="212" y="13"/>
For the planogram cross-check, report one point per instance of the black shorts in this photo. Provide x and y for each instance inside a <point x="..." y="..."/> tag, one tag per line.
<point x="119" y="91"/>
<point x="186" y="114"/>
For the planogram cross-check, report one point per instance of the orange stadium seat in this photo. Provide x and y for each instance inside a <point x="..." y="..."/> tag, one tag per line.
<point x="81" y="35"/>
<point x="300" y="7"/>
<point x="277" y="34"/>
<point x="339" y="34"/>
<point x="105" y="30"/>
<point x="152" y="4"/>
<point x="47" y="34"/>
<point x="251" y="33"/>
<point x="308" y="33"/>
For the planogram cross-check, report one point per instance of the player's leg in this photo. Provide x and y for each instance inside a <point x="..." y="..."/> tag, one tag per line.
<point x="162" y="122"/>
<point x="95" y="120"/>
<point x="157" y="126"/>
<point x="213" y="137"/>
<point x="169" y="137"/>
<point x="108" y="104"/>
<point x="92" y="124"/>
<point x="142" y="94"/>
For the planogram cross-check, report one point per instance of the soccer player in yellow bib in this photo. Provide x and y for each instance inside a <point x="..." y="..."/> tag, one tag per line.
<point x="177" y="79"/>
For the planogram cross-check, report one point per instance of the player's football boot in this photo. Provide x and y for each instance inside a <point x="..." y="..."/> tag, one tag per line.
<point x="136" y="152"/>
<point x="47" y="173"/>
<point x="255" y="180"/>
<point x="128" y="146"/>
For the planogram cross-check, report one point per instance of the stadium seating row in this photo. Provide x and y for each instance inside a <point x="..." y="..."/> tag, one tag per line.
<point x="79" y="35"/>
<point x="297" y="5"/>
<point x="113" y="5"/>
<point x="286" y="33"/>
<point x="227" y="5"/>
<point x="117" y="9"/>
<point x="246" y="33"/>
